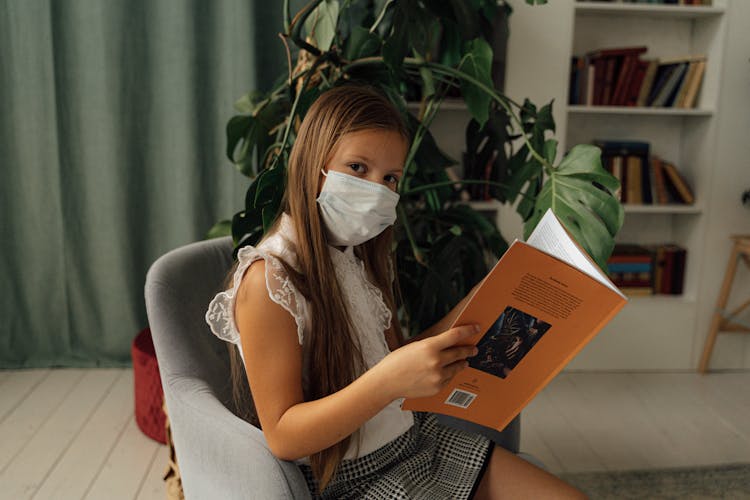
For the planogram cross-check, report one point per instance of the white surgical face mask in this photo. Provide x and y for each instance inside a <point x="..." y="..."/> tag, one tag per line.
<point x="355" y="210"/>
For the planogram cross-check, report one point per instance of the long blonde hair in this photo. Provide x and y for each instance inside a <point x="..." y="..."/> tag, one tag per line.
<point x="333" y="354"/>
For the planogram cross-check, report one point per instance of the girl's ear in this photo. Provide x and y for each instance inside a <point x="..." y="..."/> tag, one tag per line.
<point x="321" y="180"/>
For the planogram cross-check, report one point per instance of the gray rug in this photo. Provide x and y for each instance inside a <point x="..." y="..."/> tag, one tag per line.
<point x="713" y="482"/>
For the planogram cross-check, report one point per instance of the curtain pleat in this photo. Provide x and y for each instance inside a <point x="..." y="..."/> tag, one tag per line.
<point x="112" y="119"/>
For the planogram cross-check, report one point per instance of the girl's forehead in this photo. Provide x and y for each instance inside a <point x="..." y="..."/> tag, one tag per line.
<point x="376" y="141"/>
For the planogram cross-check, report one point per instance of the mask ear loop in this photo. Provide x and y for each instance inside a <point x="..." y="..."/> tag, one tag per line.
<point x="325" y="174"/>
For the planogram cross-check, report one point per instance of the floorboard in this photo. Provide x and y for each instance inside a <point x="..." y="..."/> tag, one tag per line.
<point x="70" y="434"/>
<point x="79" y="465"/>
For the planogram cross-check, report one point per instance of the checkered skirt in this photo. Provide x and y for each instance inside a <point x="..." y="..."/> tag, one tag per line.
<point x="429" y="461"/>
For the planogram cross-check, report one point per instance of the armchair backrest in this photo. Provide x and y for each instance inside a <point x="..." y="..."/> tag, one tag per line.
<point x="219" y="454"/>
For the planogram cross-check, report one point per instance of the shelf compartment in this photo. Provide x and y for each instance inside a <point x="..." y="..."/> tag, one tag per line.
<point x="662" y="209"/>
<point x="626" y="9"/>
<point x="632" y="110"/>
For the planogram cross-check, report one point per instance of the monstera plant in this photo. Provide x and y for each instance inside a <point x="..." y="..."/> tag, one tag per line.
<point x="436" y="47"/>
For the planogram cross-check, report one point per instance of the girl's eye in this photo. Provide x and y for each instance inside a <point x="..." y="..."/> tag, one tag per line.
<point x="357" y="167"/>
<point x="391" y="179"/>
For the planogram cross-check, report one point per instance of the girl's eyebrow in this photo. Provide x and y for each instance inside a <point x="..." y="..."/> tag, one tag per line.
<point x="360" y="157"/>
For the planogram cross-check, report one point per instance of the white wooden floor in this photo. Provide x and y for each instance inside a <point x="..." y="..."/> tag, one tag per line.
<point x="71" y="434"/>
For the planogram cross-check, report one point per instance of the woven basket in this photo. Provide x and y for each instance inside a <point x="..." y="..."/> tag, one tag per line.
<point x="148" y="392"/>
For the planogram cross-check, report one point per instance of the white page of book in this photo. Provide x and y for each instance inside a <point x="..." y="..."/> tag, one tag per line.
<point x="551" y="237"/>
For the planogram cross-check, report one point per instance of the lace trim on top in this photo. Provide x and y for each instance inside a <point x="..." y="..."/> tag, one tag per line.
<point x="220" y="314"/>
<point x="361" y="302"/>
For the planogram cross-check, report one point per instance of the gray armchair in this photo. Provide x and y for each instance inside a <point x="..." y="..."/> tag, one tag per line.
<point x="219" y="454"/>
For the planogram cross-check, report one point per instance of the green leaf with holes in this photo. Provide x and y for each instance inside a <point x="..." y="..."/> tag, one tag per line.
<point x="580" y="192"/>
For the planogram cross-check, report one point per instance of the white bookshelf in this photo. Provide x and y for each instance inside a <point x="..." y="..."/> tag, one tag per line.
<point x="656" y="332"/>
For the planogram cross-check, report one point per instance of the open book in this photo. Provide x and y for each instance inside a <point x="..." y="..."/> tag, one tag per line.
<point x="542" y="302"/>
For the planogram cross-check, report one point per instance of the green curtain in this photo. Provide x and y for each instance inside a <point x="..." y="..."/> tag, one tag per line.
<point x="112" y="117"/>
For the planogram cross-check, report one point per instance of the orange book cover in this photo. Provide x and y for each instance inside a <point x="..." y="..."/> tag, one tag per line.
<point x="538" y="307"/>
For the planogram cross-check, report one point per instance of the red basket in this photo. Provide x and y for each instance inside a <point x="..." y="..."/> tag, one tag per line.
<point x="148" y="392"/>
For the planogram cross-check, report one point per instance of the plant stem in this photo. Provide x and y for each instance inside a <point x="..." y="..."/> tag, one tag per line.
<point x="297" y="24"/>
<point x="424" y="123"/>
<point x="452" y="183"/>
<point x="381" y="16"/>
<point x="499" y="99"/>
<point x="285" y="13"/>
<point x="293" y="111"/>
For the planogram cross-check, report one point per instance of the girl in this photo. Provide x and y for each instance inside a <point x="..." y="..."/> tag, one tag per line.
<point x="310" y="316"/>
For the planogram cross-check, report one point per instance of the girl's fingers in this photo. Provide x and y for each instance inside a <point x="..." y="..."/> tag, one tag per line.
<point x="452" y="369"/>
<point x="458" y="353"/>
<point x="453" y="336"/>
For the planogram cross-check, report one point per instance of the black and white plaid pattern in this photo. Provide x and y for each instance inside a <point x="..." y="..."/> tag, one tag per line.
<point x="429" y="461"/>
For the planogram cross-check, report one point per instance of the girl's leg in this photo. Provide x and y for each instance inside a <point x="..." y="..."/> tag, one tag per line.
<point x="509" y="476"/>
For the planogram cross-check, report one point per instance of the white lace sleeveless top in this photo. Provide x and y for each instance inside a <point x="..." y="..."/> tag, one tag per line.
<point x="369" y="314"/>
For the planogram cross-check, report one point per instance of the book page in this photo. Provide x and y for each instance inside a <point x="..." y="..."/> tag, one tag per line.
<point x="551" y="237"/>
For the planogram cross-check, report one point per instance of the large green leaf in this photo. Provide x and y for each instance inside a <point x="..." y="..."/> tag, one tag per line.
<point x="579" y="191"/>
<point x="240" y="129"/>
<point x="477" y="63"/>
<point x="362" y="43"/>
<point x="321" y="24"/>
<point x="396" y="45"/>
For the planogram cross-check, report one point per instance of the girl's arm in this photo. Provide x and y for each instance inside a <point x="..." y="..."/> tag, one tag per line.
<point x="295" y="428"/>
<point x="447" y="320"/>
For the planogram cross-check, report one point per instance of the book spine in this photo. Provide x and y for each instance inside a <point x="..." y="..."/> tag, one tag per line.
<point x="599" y="73"/>
<point x="681" y="186"/>
<point x="679" y="100"/>
<point x="609" y="80"/>
<point x="648" y="81"/>
<point x="623" y="78"/>
<point x="658" y="268"/>
<point x="634" y="86"/>
<point x="678" y="272"/>
<point x="666" y="277"/>
<point x="646" y="181"/>
<point x="662" y="197"/>
<point x="694" y="85"/>
<point x="634" y="194"/>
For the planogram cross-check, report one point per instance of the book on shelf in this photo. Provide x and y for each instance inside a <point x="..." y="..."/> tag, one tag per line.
<point x="678" y="188"/>
<point x="619" y="77"/>
<point x="648" y="269"/>
<point x="669" y="268"/>
<point x="693" y="85"/>
<point x="674" y="75"/>
<point x="647" y="83"/>
<point x="645" y="179"/>
<point x="537" y="308"/>
<point x="631" y="268"/>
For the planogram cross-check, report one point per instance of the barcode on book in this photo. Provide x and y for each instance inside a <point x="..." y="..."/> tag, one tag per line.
<point x="459" y="398"/>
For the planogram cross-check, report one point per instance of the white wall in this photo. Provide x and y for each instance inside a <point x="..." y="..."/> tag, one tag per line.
<point x="731" y="176"/>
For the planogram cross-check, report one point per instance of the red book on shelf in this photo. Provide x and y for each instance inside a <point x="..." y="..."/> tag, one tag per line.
<point x="666" y="273"/>
<point x="609" y="80"/>
<point x="636" y="81"/>
<point x="622" y="85"/>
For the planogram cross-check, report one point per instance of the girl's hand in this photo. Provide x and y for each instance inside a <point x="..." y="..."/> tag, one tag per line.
<point x="422" y="368"/>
